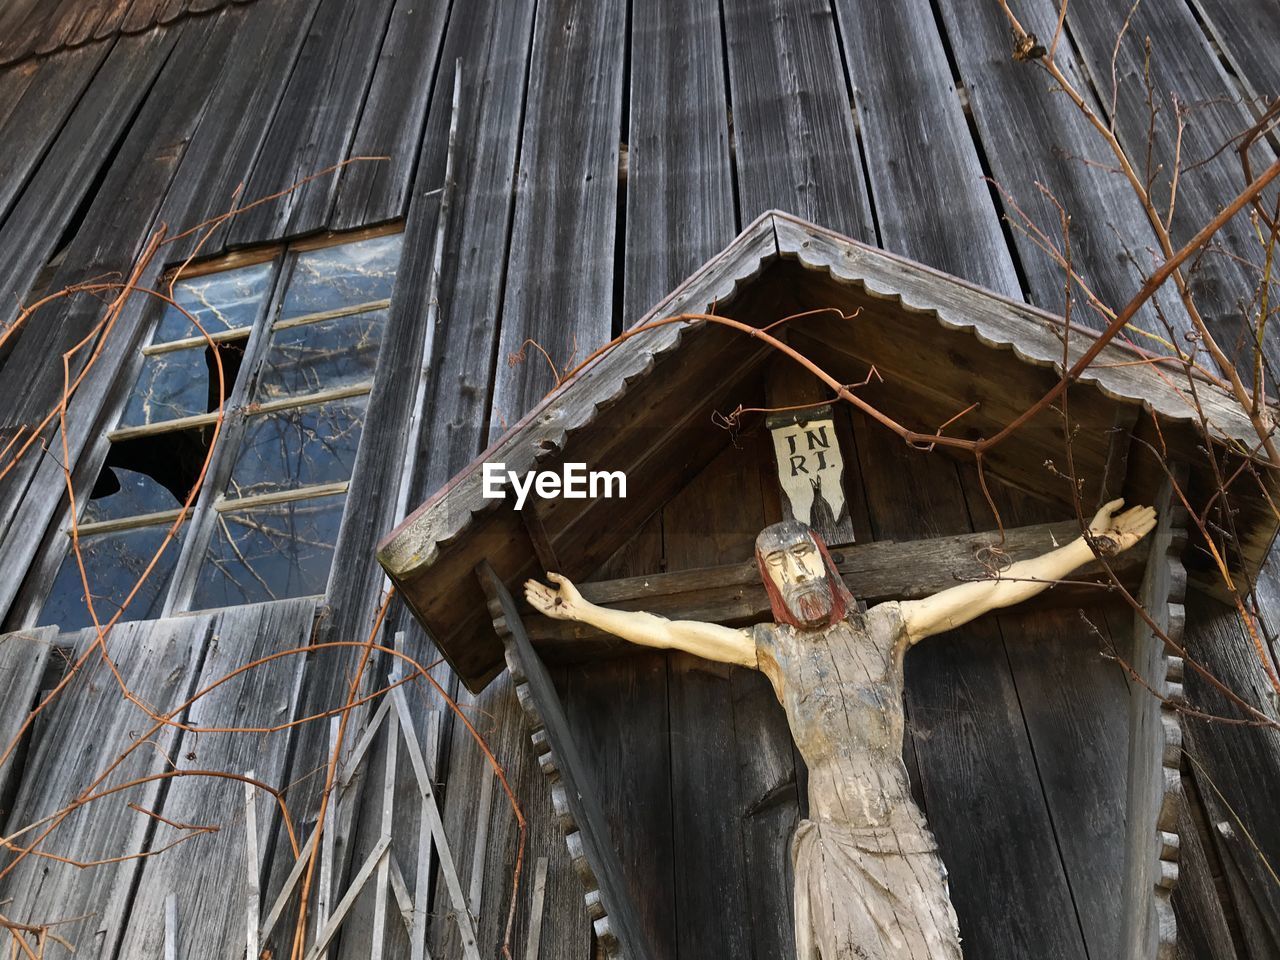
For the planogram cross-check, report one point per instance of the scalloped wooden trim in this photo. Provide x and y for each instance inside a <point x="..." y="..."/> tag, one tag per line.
<point x="574" y="800"/>
<point x="1155" y="746"/>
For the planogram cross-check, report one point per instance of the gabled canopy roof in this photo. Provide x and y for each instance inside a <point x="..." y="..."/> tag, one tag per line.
<point x="644" y="407"/>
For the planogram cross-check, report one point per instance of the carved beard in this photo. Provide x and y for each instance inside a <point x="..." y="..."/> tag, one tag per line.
<point x="810" y="603"/>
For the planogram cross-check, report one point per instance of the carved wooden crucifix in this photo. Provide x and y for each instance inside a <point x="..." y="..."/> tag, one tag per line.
<point x="869" y="884"/>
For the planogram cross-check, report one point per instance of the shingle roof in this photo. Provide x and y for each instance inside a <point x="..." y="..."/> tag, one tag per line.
<point x="39" y="27"/>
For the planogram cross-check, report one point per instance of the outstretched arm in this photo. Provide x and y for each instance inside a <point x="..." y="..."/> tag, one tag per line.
<point x="958" y="605"/>
<point x="709" y="640"/>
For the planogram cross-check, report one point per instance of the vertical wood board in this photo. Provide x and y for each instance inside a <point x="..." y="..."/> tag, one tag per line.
<point x="559" y="285"/>
<point x="1236" y="769"/>
<point x="493" y="40"/>
<point x="977" y="763"/>
<point x="392" y="120"/>
<point x="926" y="180"/>
<point x="1182" y="64"/>
<point x="316" y="120"/>
<point x="619" y="714"/>
<point x="733" y="773"/>
<point x="23" y="658"/>
<point x="793" y="138"/>
<point x="680" y="203"/>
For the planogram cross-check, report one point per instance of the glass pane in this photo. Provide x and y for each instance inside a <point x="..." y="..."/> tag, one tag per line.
<point x="220" y="301"/>
<point x="113" y="562"/>
<point x="298" y="447"/>
<point x="270" y="553"/>
<point x="322" y="356"/>
<point x="148" y="474"/>
<point x="340" y="276"/>
<point x="181" y="383"/>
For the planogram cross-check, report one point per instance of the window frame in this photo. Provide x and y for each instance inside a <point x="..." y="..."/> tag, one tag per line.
<point x="194" y="535"/>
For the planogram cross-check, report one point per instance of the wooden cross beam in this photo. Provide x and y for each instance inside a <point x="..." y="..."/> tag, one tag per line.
<point x="875" y="572"/>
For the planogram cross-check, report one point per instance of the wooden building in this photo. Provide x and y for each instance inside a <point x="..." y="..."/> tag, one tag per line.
<point x="552" y="173"/>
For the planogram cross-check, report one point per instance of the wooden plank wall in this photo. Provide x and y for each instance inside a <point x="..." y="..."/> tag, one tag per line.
<point x="79" y="736"/>
<point x="876" y="119"/>
<point x="1181" y="61"/>
<point x="208" y="875"/>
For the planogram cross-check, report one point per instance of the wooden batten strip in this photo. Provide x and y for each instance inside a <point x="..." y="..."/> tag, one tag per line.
<point x="419" y="910"/>
<point x="127" y="523"/>
<point x="188" y="343"/>
<point x="382" y="884"/>
<point x="328" y="842"/>
<point x="330" y="239"/>
<point x="476" y="890"/>
<point x="536" y="910"/>
<point x="351" y="310"/>
<point x="288" y="403"/>
<point x="253" y="869"/>
<point x="400" y="890"/>
<point x="168" y="426"/>
<point x="231" y="261"/>
<point x="282" y="496"/>
<point x="171" y="927"/>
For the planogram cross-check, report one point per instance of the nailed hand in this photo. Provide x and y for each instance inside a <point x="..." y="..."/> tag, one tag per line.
<point x="562" y="602"/>
<point x="1113" y="534"/>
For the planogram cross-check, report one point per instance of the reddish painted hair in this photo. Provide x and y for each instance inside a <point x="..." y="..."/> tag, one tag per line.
<point x="788" y="533"/>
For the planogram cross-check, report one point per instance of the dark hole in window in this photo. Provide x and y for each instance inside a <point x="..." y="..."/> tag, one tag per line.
<point x="232" y="354"/>
<point x="149" y="474"/>
<point x="156" y="472"/>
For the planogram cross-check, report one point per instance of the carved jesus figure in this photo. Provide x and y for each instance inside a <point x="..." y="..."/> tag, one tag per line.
<point x="869" y="883"/>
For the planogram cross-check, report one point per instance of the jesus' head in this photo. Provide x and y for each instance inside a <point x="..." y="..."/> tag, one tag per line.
<point x="805" y="588"/>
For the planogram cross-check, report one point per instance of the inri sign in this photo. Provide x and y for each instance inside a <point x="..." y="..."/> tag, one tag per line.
<point x="573" y="482"/>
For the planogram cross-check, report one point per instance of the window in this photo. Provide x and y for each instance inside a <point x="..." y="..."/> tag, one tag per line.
<point x="296" y="336"/>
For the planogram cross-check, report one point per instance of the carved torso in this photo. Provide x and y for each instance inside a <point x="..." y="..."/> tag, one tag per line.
<point x="842" y="690"/>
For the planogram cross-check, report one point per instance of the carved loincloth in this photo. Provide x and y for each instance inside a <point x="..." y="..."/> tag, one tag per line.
<point x="871" y="893"/>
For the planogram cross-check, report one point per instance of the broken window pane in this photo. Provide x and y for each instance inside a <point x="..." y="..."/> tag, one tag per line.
<point x="148" y="474"/>
<point x="270" y="552"/>
<point x="114" y="562"/>
<point x="342" y="276"/>
<point x="298" y="447"/>
<point x="181" y="383"/>
<point x="326" y="355"/>
<point x="227" y="300"/>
